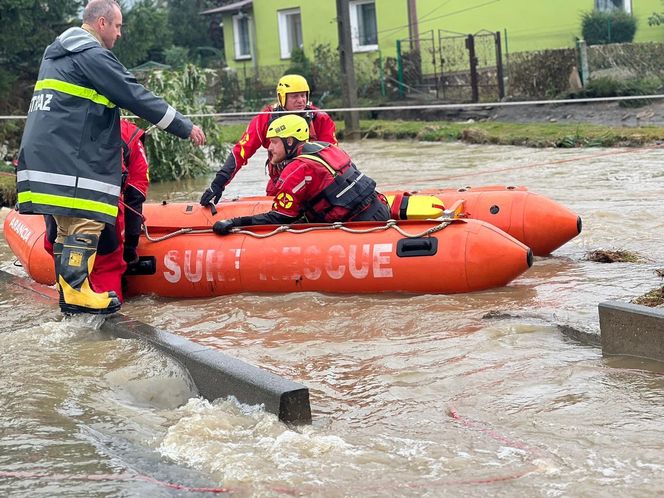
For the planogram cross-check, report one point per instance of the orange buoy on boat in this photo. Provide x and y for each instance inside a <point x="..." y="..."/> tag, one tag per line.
<point x="181" y="257"/>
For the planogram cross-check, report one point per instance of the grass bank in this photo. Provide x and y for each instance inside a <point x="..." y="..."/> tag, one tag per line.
<point x="498" y="133"/>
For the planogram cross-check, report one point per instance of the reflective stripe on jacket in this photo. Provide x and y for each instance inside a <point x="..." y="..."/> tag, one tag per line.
<point x="70" y="156"/>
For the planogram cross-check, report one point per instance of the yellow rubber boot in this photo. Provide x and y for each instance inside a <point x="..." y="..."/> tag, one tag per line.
<point x="76" y="295"/>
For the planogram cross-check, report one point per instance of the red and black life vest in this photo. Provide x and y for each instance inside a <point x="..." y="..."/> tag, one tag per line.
<point x="350" y="189"/>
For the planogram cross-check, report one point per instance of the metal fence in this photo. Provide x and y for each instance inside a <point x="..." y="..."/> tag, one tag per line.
<point x="451" y="66"/>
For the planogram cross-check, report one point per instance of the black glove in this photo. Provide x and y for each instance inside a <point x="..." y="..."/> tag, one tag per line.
<point x="216" y="188"/>
<point x="222" y="227"/>
<point x="213" y="193"/>
<point x="130" y="255"/>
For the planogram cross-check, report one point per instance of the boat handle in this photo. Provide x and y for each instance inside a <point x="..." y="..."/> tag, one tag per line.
<point x="421" y="246"/>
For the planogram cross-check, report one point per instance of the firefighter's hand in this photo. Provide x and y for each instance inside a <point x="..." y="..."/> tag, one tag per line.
<point x="197" y="136"/>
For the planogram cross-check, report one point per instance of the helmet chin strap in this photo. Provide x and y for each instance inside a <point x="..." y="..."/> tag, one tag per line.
<point x="290" y="149"/>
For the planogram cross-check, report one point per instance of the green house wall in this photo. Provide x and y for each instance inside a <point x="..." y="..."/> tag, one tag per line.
<point x="526" y="24"/>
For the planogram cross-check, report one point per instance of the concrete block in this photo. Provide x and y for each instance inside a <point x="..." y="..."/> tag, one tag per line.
<point x="631" y="330"/>
<point x="217" y="375"/>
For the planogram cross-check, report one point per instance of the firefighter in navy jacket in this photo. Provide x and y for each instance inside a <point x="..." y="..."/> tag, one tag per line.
<point x="69" y="163"/>
<point x="318" y="182"/>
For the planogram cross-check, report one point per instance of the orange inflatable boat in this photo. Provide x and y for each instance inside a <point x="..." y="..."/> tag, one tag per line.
<point x="539" y="222"/>
<point x="181" y="257"/>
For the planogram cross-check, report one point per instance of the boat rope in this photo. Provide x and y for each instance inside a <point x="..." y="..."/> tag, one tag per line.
<point x="390" y="224"/>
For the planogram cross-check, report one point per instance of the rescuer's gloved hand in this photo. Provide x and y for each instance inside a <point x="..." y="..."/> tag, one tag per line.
<point x="222" y="227"/>
<point x="129" y="253"/>
<point x="212" y="194"/>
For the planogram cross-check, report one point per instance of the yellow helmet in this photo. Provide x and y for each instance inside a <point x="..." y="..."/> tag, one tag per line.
<point x="289" y="125"/>
<point x="291" y="83"/>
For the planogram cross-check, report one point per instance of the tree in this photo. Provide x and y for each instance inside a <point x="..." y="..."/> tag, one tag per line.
<point x="193" y="31"/>
<point x="145" y="34"/>
<point x="190" y="29"/>
<point x="26" y="28"/>
<point x="152" y="28"/>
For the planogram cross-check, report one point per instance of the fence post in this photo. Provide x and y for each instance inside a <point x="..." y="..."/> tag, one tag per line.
<point x="381" y="72"/>
<point x="507" y="57"/>
<point x="348" y="82"/>
<point x="400" y="70"/>
<point x="470" y="45"/>
<point x="499" y="67"/>
<point x="582" y="50"/>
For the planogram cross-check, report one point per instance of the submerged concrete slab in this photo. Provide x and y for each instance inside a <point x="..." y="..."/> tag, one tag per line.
<point x="631" y="330"/>
<point x="218" y="375"/>
<point x="215" y="374"/>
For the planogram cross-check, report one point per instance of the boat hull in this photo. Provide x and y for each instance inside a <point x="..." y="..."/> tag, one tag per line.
<point x="464" y="256"/>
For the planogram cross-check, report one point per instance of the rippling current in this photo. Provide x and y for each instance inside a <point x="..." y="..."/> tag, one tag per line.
<point x="473" y="395"/>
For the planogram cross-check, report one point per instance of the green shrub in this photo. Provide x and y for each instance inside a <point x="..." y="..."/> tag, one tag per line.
<point x="600" y="28"/>
<point x="609" y="87"/>
<point x="176" y="57"/>
<point x="327" y="75"/>
<point x="228" y="91"/>
<point x="170" y="157"/>
<point x="300" y="64"/>
<point x="656" y="18"/>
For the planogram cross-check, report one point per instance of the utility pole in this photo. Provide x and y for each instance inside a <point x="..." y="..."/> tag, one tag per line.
<point x="348" y="83"/>
<point x="413" y="26"/>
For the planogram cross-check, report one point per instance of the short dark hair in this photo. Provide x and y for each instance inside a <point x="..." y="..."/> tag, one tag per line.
<point x="99" y="8"/>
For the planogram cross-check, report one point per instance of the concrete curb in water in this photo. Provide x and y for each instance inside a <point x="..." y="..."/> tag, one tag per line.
<point x="215" y="374"/>
<point x="631" y="330"/>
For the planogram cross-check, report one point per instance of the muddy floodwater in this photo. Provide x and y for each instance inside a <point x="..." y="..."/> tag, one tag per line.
<point x="412" y="395"/>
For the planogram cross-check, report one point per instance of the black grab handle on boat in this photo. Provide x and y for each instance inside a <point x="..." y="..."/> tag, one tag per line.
<point x="421" y="246"/>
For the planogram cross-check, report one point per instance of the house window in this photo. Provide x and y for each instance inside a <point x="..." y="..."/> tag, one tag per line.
<point x="290" y="31"/>
<point x="363" y="25"/>
<point x="609" y="5"/>
<point x="242" y="36"/>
